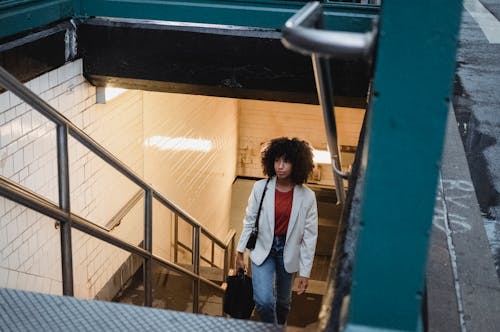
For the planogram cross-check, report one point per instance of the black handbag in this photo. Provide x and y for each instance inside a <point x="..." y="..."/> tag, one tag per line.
<point x="255" y="230"/>
<point x="238" y="298"/>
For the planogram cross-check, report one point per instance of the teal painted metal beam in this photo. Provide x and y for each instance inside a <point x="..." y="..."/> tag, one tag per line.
<point x="20" y="15"/>
<point x="405" y="136"/>
<point x="17" y="16"/>
<point x="261" y="14"/>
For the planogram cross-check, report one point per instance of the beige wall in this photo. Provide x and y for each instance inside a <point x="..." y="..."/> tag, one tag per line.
<point x="262" y="120"/>
<point x="190" y="155"/>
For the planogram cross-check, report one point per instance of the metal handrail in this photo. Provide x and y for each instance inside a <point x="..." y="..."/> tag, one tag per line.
<point x="132" y="202"/>
<point x="117" y="218"/>
<point x="299" y="35"/>
<point x="12" y="84"/>
<point x="210" y="261"/>
<point x="31" y="200"/>
<point x="65" y="128"/>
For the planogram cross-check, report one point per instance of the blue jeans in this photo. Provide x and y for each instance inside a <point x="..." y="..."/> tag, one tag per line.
<point x="272" y="285"/>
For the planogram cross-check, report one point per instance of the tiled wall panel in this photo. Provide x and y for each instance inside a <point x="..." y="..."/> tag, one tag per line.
<point x="98" y="191"/>
<point x="29" y="245"/>
<point x="31" y="248"/>
<point x="190" y="153"/>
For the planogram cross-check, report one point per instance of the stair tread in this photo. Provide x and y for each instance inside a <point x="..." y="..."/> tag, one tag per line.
<point x="209" y="272"/>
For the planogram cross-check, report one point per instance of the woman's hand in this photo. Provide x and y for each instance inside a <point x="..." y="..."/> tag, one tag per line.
<point x="240" y="262"/>
<point x="302" y="284"/>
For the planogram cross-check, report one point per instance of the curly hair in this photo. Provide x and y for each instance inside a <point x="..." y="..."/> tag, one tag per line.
<point x="296" y="151"/>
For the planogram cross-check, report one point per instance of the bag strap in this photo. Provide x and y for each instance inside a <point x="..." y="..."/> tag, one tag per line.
<point x="256" y="226"/>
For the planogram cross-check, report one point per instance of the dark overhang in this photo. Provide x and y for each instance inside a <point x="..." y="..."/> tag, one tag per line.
<point x="36" y="53"/>
<point x="205" y="59"/>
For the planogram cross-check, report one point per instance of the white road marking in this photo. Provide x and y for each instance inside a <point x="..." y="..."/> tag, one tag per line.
<point x="487" y="22"/>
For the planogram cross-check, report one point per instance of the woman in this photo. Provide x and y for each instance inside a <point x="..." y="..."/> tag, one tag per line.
<point x="288" y="228"/>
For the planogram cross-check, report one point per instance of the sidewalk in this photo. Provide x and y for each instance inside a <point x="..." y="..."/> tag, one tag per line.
<point x="463" y="291"/>
<point x="463" y="286"/>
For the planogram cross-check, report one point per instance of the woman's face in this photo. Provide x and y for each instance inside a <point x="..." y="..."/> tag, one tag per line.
<point x="283" y="168"/>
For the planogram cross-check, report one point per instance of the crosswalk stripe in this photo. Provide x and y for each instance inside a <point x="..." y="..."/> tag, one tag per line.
<point x="486" y="21"/>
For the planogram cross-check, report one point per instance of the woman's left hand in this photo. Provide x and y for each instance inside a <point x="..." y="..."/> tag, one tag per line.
<point x="303" y="282"/>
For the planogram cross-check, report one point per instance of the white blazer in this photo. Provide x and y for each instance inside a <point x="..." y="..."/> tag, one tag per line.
<point x="302" y="230"/>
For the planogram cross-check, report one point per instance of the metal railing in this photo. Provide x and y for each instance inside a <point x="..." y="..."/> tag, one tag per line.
<point x="301" y="33"/>
<point x="116" y="220"/>
<point x="210" y="261"/>
<point x="69" y="220"/>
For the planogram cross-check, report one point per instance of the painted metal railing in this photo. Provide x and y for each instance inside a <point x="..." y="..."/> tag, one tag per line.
<point x="301" y="33"/>
<point x="125" y="209"/>
<point x="209" y="260"/>
<point x="69" y="220"/>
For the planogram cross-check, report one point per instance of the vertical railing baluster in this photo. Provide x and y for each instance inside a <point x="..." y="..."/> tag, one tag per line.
<point x="226" y="264"/>
<point x="324" y="87"/>
<point x="148" y="245"/>
<point x="176" y="237"/>
<point x="64" y="203"/>
<point x="212" y="259"/>
<point x="196" y="267"/>
<point x="231" y="257"/>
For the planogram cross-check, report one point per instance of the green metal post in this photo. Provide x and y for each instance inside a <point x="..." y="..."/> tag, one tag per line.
<point x="261" y="14"/>
<point x="405" y="136"/>
<point x="18" y="16"/>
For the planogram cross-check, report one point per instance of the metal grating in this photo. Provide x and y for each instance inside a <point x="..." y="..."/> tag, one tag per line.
<point x="27" y="311"/>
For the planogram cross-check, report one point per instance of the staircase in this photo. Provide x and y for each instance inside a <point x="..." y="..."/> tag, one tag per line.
<point x="174" y="292"/>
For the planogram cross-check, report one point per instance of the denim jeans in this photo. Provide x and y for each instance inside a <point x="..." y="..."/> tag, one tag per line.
<point x="272" y="285"/>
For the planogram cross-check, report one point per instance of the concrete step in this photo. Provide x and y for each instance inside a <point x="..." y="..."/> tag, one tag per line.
<point x="326" y="238"/>
<point x="174" y="292"/>
<point x="214" y="274"/>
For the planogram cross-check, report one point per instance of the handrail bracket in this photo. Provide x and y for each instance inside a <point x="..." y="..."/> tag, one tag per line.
<point x="302" y="34"/>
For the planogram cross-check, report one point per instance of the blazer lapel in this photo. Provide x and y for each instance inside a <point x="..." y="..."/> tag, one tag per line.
<point x="296" y="205"/>
<point x="269" y="203"/>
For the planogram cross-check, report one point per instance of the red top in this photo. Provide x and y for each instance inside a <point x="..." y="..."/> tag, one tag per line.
<point x="282" y="211"/>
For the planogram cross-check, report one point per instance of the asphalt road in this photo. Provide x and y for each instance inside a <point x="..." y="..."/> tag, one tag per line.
<point x="477" y="108"/>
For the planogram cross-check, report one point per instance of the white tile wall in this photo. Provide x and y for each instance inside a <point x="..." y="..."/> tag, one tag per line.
<point x="29" y="245"/>
<point x="110" y="128"/>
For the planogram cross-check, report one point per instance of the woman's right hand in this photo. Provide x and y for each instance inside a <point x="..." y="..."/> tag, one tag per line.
<point x="240" y="262"/>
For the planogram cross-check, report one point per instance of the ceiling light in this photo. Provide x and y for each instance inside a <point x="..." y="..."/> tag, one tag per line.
<point x="321" y="157"/>
<point x="179" y="143"/>
<point x="105" y="94"/>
